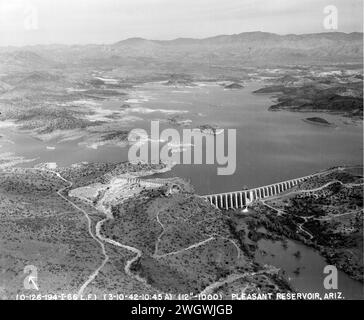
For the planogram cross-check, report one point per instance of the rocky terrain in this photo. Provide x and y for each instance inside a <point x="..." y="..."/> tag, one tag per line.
<point x="337" y="91"/>
<point x="60" y="92"/>
<point x="326" y="213"/>
<point x="97" y="228"/>
<point x="137" y="236"/>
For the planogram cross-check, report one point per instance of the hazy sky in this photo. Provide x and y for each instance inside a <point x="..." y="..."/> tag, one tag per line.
<point x="105" y="21"/>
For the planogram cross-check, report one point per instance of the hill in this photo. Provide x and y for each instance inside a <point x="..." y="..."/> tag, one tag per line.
<point x="243" y="49"/>
<point x="254" y="47"/>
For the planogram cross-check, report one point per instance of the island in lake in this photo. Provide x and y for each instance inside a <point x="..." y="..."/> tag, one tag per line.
<point x="318" y="121"/>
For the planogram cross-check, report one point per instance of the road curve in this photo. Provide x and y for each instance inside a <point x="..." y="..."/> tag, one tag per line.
<point x="89" y="227"/>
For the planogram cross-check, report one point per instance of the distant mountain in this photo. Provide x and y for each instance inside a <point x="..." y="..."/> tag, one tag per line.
<point x="248" y="36"/>
<point x="186" y="55"/>
<point x="132" y="42"/>
<point x="253" y="47"/>
<point x="24" y="57"/>
<point x="35" y="78"/>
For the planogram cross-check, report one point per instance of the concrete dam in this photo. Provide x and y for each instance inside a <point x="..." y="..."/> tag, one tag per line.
<point x="240" y="199"/>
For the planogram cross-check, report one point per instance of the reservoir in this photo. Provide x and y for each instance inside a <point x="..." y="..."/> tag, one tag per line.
<point x="271" y="147"/>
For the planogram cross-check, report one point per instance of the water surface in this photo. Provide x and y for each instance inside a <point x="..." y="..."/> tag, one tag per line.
<point x="271" y="146"/>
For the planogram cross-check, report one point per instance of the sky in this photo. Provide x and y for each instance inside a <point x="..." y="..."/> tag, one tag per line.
<point x="29" y="22"/>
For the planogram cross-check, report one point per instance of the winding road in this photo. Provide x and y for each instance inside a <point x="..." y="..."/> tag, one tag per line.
<point x="99" y="238"/>
<point x="89" y="227"/>
<point x="300" y="225"/>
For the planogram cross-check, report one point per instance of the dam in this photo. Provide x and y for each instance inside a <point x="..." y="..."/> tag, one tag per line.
<point x="241" y="199"/>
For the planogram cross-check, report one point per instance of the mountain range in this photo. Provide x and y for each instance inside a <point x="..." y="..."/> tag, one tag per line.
<point x="243" y="50"/>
